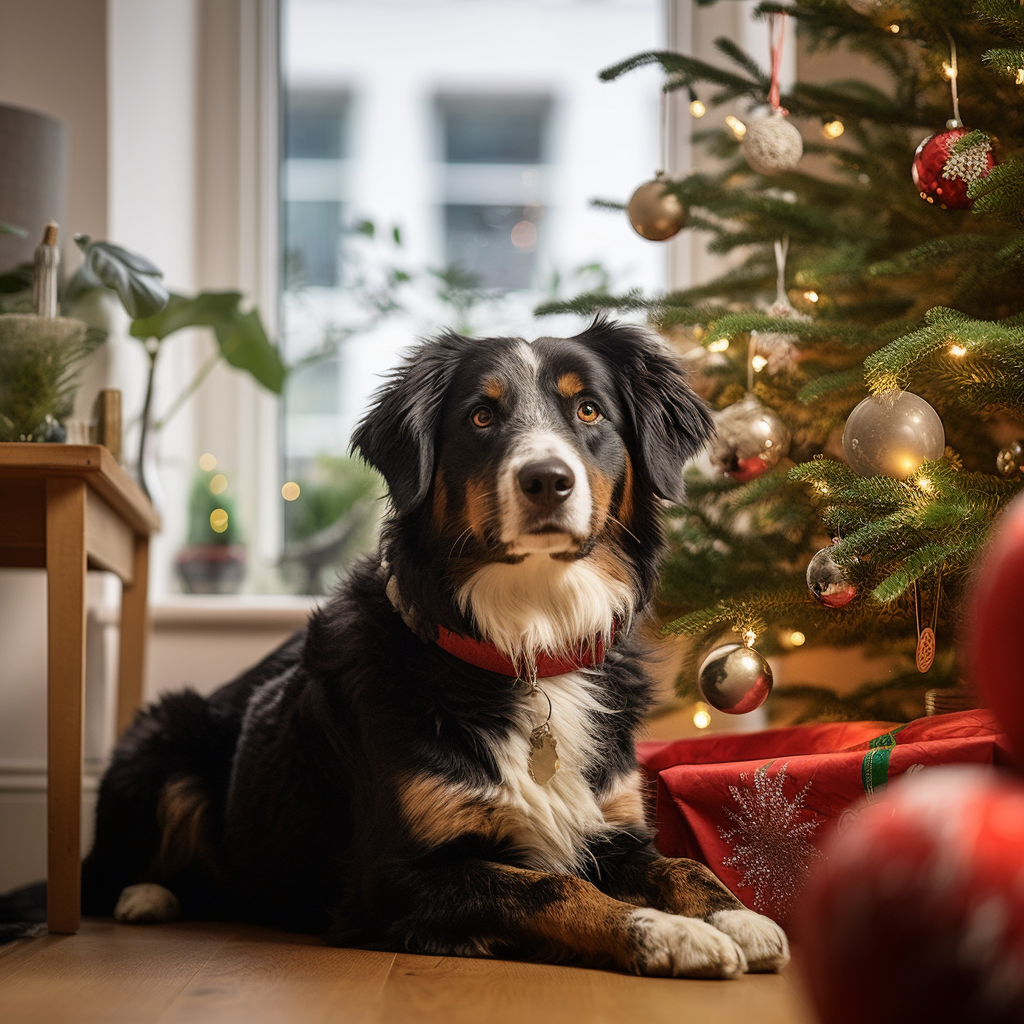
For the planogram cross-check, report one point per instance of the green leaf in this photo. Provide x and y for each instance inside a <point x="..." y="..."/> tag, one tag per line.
<point x="136" y="281"/>
<point x="208" y="309"/>
<point x="240" y="336"/>
<point x="12" y="229"/>
<point x="245" y="345"/>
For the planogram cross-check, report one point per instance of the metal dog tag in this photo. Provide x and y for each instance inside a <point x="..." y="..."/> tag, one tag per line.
<point x="543" y="755"/>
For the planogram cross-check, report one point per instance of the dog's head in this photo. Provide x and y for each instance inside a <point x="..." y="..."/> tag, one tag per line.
<point x="500" y="453"/>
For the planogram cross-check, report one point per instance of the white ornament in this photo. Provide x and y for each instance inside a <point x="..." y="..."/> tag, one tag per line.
<point x="772" y="145"/>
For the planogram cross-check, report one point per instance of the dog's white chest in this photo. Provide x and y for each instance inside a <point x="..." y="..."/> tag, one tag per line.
<point x="550" y="822"/>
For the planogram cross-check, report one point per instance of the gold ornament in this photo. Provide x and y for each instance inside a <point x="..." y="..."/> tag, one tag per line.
<point x="655" y="213"/>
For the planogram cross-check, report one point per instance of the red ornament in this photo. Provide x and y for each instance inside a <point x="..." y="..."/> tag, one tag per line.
<point x="993" y="635"/>
<point x="916" y="910"/>
<point x="942" y="176"/>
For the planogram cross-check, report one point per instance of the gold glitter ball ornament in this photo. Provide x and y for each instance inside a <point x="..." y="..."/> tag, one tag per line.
<point x="655" y="213"/>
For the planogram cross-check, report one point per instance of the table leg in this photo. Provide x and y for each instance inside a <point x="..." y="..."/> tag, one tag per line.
<point x="132" y="658"/>
<point x="65" y="597"/>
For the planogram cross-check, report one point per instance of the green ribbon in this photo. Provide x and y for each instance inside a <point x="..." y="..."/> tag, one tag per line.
<point x="874" y="769"/>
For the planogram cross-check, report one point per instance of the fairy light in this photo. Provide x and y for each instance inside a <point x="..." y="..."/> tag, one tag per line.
<point x="833" y="129"/>
<point x="218" y="520"/>
<point x="719" y="346"/>
<point x="797" y="639"/>
<point x="749" y="636"/>
<point x="207" y="462"/>
<point x="1019" y="80"/>
<point x="698" y="109"/>
<point x="811" y="296"/>
<point x="759" y="363"/>
<point x="948" y="71"/>
<point x="219" y="484"/>
<point x="290" y="491"/>
<point x="925" y="484"/>
<point x="893" y="28"/>
<point x="701" y="715"/>
<point x="738" y="128"/>
<point x="957" y="350"/>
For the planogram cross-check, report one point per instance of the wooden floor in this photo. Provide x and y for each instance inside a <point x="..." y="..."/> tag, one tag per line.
<point x="189" y="973"/>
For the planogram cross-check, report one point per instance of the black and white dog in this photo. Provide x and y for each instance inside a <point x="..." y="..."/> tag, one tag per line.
<point x="443" y="760"/>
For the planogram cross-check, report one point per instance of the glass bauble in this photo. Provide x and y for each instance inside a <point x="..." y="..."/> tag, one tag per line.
<point x="942" y="176"/>
<point x="772" y="145"/>
<point x="891" y="434"/>
<point x="656" y="214"/>
<point x="735" y="679"/>
<point x="750" y="439"/>
<point x="827" y="581"/>
<point x="1010" y="460"/>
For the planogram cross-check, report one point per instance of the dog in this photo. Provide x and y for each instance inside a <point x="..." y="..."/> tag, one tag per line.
<point x="443" y="761"/>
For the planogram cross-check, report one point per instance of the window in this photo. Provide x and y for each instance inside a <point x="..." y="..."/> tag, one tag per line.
<point x="438" y="160"/>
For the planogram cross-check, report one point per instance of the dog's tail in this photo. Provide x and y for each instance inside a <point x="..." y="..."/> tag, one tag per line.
<point x="23" y="913"/>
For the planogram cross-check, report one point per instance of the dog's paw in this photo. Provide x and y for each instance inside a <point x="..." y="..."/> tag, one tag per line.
<point x="147" y="903"/>
<point x="684" y="947"/>
<point x="763" y="942"/>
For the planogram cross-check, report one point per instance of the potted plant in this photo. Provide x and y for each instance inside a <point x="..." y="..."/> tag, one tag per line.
<point x="213" y="558"/>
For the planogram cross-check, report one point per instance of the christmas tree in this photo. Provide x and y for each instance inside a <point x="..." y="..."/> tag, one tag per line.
<point x="852" y="279"/>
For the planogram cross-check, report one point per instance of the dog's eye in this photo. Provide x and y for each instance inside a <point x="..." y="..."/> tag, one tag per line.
<point x="482" y="416"/>
<point x="588" y="412"/>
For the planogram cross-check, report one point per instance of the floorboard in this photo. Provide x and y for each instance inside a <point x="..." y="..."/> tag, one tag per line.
<point x="201" y="973"/>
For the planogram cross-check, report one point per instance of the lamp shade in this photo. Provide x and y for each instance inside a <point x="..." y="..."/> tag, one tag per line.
<point x="33" y="178"/>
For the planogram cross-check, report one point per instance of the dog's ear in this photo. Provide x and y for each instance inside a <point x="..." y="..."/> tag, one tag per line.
<point x="397" y="436"/>
<point x="670" y="423"/>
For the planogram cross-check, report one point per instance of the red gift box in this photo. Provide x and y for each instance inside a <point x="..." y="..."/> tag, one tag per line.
<point x="756" y="807"/>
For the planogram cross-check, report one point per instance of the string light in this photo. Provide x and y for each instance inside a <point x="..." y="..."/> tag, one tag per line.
<point x="698" y="109"/>
<point x="957" y="350"/>
<point x="948" y="71"/>
<point x="759" y="362"/>
<point x="894" y="29"/>
<point x="218" y="520"/>
<point x="207" y="462"/>
<point x="925" y="484"/>
<point x="811" y="296"/>
<point x="719" y="346"/>
<point x="290" y="491"/>
<point x="219" y="484"/>
<point x="701" y="715"/>
<point x="749" y="636"/>
<point x="797" y="639"/>
<point x="1019" y="80"/>
<point x="739" y="129"/>
<point x="833" y="129"/>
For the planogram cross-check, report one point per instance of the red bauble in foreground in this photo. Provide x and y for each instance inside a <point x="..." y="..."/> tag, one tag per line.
<point x="942" y="176"/>
<point x="993" y="634"/>
<point x="916" y="912"/>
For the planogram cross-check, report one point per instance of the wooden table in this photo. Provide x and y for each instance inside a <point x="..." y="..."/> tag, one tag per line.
<point x="67" y="508"/>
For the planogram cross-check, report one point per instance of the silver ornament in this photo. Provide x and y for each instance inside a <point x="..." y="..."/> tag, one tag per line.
<point x="891" y="434"/>
<point x="827" y="580"/>
<point x="869" y="7"/>
<point x="750" y="439"/>
<point x="1010" y="460"/>
<point x="735" y="679"/>
<point x="772" y="145"/>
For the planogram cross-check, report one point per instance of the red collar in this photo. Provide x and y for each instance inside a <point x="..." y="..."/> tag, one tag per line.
<point x="485" y="655"/>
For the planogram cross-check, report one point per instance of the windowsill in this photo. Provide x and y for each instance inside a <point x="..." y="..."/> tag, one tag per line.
<point x="223" y="611"/>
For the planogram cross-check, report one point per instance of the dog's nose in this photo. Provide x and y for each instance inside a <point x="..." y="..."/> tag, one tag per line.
<point x="547" y="483"/>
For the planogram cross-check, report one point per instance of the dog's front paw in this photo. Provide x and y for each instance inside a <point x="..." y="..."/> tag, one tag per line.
<point x="763" y="942"/>
<point x="147" y="903"/>
<point x="684" y="947"/>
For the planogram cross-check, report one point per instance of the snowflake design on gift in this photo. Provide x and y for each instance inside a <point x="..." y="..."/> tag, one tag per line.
<point x="970" y="165"/>
<point x="770" y="842"/>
